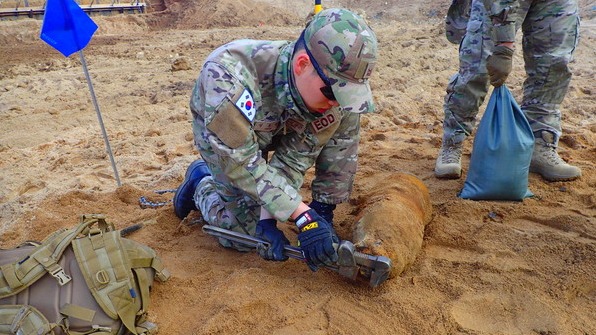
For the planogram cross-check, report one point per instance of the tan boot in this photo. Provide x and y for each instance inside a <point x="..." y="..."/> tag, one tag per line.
<point x="448" y="164"/>
<point x="547" y="163"/>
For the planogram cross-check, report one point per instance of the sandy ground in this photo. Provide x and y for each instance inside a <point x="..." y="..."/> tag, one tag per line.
<point x="485" y="267"/>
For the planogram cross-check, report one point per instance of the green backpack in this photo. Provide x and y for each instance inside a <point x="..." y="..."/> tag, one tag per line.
<point x="84" y="280"/>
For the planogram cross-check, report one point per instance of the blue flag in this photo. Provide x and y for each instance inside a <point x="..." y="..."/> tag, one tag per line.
<point x="66" y="27"/>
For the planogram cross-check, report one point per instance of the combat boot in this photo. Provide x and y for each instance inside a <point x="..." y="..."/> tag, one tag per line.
<point x="184" y="197"/>
<point x="547" y="163"/>
<point x="449" y="161"/>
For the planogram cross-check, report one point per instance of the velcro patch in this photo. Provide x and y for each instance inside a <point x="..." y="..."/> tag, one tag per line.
<point x="266" y="126"/>
<point x="296" y="125"/>
<point x="324" y="122"/>
<point x="230" y="126"/>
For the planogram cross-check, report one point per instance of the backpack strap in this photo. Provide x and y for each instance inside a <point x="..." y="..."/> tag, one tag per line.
<point x="106" y="269"/>
<point x="78" y="312"/>
<point x="17" y="276"/>
<point x="85" y="314"/>
<point x="117" y="272"/>
<point x="146" y="328"/>
<point x="142" y="258"/>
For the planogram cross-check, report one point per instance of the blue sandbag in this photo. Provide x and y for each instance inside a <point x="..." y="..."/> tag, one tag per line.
<point x="501" y="153"/>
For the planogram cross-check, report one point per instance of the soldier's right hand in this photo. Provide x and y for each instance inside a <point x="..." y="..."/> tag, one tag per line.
<point x="268" y="231"/>
<point x="499" y="65"/>
<point x="316" y="240"/>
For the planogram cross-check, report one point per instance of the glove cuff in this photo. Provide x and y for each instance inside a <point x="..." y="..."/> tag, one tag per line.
<point x="504" y="33"/>
<point x="322" y="207"/>
<point x="503" y="50"/>
<point x="268" y="222"/>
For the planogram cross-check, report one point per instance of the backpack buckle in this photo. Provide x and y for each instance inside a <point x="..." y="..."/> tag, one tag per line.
<point x="61" y="276"/>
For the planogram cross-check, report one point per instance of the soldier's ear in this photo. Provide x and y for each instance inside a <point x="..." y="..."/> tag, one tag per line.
<point x="301" y="63"/>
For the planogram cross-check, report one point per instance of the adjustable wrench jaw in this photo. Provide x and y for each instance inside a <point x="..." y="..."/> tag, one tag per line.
<point x="354" y="265"/>
<point x="381" y="270"/>
<point x="346" y="262"/>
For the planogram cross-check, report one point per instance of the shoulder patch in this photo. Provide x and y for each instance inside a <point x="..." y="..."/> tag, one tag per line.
<point x="230" y="126"/>
<point x="246" y="105"/>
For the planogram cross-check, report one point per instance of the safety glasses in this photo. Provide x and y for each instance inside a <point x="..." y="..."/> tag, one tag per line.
<point x="328" y="92"/>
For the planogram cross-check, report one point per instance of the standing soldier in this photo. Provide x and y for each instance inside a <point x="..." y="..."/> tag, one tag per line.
<point x="264" y="112"/>
<point x="550" y="33"/>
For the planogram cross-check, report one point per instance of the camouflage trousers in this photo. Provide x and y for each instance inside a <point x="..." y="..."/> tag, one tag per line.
<point x="227" y="208"/>
<point x="550" y="34"/>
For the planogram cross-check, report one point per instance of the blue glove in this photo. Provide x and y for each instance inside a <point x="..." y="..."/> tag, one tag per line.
<point x="316" y="240"/>
<point x="324" y="210"/>
<point x="268" y="231"/>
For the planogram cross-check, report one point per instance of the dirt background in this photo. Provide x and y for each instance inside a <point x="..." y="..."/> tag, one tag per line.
<point x="485" y="267"/>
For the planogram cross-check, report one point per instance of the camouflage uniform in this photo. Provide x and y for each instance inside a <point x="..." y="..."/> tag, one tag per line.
<point x="550" y="33"/>
<point x="245" y="105"/>
<point x="467" y="89"/>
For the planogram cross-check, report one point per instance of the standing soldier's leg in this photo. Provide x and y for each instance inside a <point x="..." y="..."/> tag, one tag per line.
<point x="465" y="92"/>
<point x="550" y="36"/>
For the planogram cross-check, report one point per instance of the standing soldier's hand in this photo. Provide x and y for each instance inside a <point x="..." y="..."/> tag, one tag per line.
<point x="499" y="65"/>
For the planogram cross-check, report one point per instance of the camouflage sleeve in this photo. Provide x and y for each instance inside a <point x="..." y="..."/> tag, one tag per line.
<point x="337" y="163"/>
<point x="332" y="150"/>
<point x="503" y="14"/>
<point x="294" y="155"/>
<point x="230" y="146"/>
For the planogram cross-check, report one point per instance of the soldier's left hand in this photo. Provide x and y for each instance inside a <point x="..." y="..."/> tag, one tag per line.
<point x="316" y="239"/>
<point x="499" y="65"/>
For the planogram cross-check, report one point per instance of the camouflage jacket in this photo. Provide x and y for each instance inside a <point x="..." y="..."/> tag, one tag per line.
<point x="504" y="14"/>
<point x="244" y="104"/>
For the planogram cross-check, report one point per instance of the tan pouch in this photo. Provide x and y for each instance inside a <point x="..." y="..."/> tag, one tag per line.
<point x="23" y="320"/>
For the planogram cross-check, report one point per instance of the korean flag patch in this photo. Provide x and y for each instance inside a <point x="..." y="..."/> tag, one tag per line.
<point x="246" y="105"/>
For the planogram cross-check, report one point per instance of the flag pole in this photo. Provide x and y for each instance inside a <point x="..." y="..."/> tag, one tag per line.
<point x="318" y="6"/>
<point x="67" y="28"/>
<point x="99" y="118"/>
